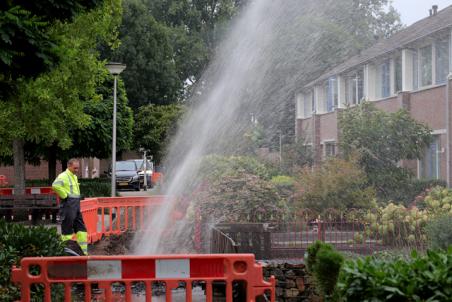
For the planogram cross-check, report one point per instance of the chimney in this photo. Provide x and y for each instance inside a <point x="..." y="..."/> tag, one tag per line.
<point x="435" y="9"/>
<point x="430" y="12"/>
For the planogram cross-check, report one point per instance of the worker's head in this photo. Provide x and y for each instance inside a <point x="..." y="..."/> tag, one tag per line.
<point x="73" y="165"/>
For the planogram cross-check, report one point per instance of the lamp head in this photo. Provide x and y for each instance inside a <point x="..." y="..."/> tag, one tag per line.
<point x="115" y="68"/>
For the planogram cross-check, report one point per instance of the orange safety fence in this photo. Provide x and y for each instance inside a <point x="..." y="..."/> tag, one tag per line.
<point x="226" y="277"/>
<point x="156" y="177"/>
<point x="104" y="216"/>
<point x="3" y="180"/>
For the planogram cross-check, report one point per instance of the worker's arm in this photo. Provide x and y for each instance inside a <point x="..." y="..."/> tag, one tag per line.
<point x="58" y="187"/>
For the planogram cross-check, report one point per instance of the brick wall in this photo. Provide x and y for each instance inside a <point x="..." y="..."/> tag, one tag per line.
<point x="31" y="172"/>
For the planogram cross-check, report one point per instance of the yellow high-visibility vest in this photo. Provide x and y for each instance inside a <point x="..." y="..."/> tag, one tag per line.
<point x="66" y="185"/>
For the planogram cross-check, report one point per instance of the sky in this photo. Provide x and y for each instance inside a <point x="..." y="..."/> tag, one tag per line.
<point x="414" y="10"/>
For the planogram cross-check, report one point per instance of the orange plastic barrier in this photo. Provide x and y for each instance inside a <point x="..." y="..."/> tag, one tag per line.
<point x="156" y="176"/>
<point x="104" y="216"/>
<point x="3" y="180"/>
<point x="182" y="272"/>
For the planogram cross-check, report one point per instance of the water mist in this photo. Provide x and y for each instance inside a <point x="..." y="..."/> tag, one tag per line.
<point x="264" y="57"/>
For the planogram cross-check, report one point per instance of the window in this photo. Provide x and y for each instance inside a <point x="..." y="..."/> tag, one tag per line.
<point x="313" y="106"/>
<point x="360" y="85"/>
<point x="354" y="88"/>
<point x="429" y="165"/>
<point x="425" y="66"/>
<point x="300" y="112"/>
<point x="398" y="74"/>
<point x="307" y="103"/>
<point x="415" y="70"/>
<point x="442" y="60"/>
<point x="330" y="149"/>
<point x="384" y="79"/>
<point x="331" y="94"/>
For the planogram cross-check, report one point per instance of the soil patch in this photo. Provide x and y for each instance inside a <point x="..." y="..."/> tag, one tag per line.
<point x="113" y="245"/>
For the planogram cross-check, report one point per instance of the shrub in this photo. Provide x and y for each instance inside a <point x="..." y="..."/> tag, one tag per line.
<point x="312" y="251"/>
<point x="337" y="184"/>
<point x="215" y="167"/>
<point x="420" y="278"/>
<point x="439" y="232"/>
<point x="406" y="192"/>
<point x="18" y="241"/>
<point x="326" y="270"/>
<point x="95" y="187"/>
<point x="240" y="198"/>
<point x="324" y="263"/>
<point x="89" y="187"/>
<point x="283" y="181"/>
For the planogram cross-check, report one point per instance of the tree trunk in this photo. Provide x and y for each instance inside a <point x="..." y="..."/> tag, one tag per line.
<point x="51" y="157"/>
<point x="19" y="166"/>
<point x="63" y="164"/>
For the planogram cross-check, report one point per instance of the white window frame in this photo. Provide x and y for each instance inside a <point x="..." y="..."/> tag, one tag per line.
<point x="324" y="143"/>
<point x="379" y="81"/>
<point x="439" y="150"/>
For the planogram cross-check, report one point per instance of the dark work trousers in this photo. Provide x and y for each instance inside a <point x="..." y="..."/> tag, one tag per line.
<point x="71" y="218"/>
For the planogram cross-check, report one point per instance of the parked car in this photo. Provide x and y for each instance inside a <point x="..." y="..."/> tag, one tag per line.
<point x="149" y="170"/>
<point x="127" y="175"/>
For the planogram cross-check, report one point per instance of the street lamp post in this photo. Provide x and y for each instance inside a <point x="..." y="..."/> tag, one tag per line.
<point x="115" y="69"/>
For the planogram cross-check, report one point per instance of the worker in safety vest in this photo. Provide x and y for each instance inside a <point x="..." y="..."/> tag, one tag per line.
<point x="67" y="187"/>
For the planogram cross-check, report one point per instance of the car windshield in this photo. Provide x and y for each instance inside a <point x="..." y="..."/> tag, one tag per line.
<point x="125" y="166"/>
<point x="149" y="165"/>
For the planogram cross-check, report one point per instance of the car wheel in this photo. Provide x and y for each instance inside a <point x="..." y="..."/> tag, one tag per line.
<point x="137" y="188"/>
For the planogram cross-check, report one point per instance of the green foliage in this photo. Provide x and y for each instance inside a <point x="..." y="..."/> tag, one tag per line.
<point x="237" y="189"/>
<point x="326" y="270"/>
<point x="381" y="140"/>
<point x="296" y="155"/>
<point x="420" y="278"/>
<point x="337" y="184"/>
<point x="99" y="187"/>
<point x="410" y="191"/>
<point x="240" y="197"/>
<point x="18" y="241"/>
<point x="283" y="181"/>
<point x="439" y="232"/>
<point x="312" y="251"/>
<point x="95" y="187"/>
<point x="154" y="125"/>
<point x="324" y="263"/>
<point x="27" y="48"/>
<point x="94" y="140"/>
<point x="214" y="167"/>
<point x="151" y="74"/>
<point x="55" y="99"/>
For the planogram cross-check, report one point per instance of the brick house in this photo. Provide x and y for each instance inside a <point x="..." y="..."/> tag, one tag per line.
<point x="409" y="70"/>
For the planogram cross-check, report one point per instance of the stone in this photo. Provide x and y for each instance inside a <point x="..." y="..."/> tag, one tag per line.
<point x="300" y="284"/>
<point x="290" y="284"/>
<point x="290" y="274"/>
<point x="279" y="274"/>
<point x="291" y="293"/>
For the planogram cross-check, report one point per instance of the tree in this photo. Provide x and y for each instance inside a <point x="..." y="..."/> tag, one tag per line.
<point x="154" y="124"/>
<point x="44" y="109"/>
<point x="381" y="140"/>
<point x="167" y="44"/>
<point x="95" y="140"/>
<point x="27" y="48"/>
<point x="151" y="75"/>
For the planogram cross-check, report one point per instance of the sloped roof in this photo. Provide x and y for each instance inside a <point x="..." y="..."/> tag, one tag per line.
<point x="419" y="30"/>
